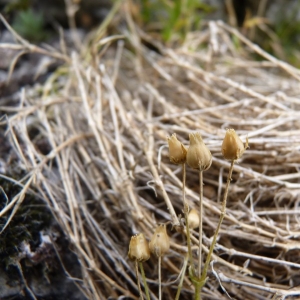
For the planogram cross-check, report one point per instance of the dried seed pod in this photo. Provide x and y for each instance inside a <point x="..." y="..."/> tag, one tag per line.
<point x="198" y="155"/>
<point x="232" y="147"/>
<point x="139" y="248"/>
<point x="177" y="151"/>
<point x="160" y="241"/>
<point x="193" y="219"/>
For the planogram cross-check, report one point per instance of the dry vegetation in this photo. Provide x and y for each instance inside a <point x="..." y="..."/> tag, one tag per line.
<point x="104" y="117"/>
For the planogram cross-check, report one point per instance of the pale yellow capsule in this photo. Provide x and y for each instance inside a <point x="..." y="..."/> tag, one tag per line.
<point x="139" y="248"/>
<point x="232" y="146"/>
<point x="177" y="151"/>
<point x="160" y="241"/>
<point x="198" y="155"/>
<point x="193" y="219"/>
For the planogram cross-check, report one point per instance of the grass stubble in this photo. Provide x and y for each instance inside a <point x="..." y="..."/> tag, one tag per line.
<point x="105" y="115"/>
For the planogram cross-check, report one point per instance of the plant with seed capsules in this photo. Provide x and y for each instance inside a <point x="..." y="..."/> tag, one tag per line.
<point x="159" y="245"/>
<point x="139" y="252"/>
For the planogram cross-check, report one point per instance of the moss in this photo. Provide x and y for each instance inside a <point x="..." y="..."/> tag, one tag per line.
<point x="30" y="25"/>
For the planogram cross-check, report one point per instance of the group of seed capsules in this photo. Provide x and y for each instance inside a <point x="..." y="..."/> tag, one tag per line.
<point x="197" y="156"/>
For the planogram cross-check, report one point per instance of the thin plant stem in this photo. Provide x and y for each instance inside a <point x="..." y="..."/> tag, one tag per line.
<point x="201" y="221"/>
<point x="183" y="185"/>
<point x="100" y="31"/>
<point x="198" y="292"/>
<point x="186" y="258"/>
<point x="198" y="285"/>
<point x="144" y="280"/>
<point x="223" y="212"/>
<point x="159" y="278"/>
<point x="186" y="212"/>
<point x="138" y="280"/>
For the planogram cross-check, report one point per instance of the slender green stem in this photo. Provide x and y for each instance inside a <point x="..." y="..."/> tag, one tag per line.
<point x="201" y="221"/>
<point x="182" y="277"/>
<point x="186" y="213"/>
<point x="223" y="212"/>
<point x="159" y="278"/>
<point x="138" y="280"/>
<point x="144" y="280"/>
<point x="197" y="292"/>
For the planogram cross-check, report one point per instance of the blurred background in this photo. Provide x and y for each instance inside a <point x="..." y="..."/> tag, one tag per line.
<point x="274" y="25"/>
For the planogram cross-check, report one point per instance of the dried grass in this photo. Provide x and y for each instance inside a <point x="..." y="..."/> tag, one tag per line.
<point x="104" y="117"/>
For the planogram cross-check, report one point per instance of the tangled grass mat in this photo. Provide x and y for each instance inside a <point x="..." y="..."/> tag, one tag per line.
<point x="103" y="118"/>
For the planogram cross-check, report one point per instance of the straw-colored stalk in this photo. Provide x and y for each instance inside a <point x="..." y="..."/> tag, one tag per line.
<point x="201" y="221"/>
<point x="186" y="213"/>
<point x="199" y="157"/>
<point x="177" y="155"/>
<point x="232" y="149"/>
<point x="159" y="245"/>
<point x="223" y="212"/>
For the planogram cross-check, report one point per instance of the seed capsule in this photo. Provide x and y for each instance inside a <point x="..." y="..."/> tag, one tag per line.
<point x="193" y="219"/>
<point x="160" y="241"/>
<point x="177" y="151"/>
<point x="232" y="147"/>
<point x="139" y="248"/>
<point x="198" y="155"/>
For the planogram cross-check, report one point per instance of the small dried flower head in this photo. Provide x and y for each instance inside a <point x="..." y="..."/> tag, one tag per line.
<point x="193" y="219"/>
<point x="160" y="241"/>
<point x="177" y="151"/>
<point x="198" y="155"/>
<point x="232" y="147"/>
<point x="139" y="248"/>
